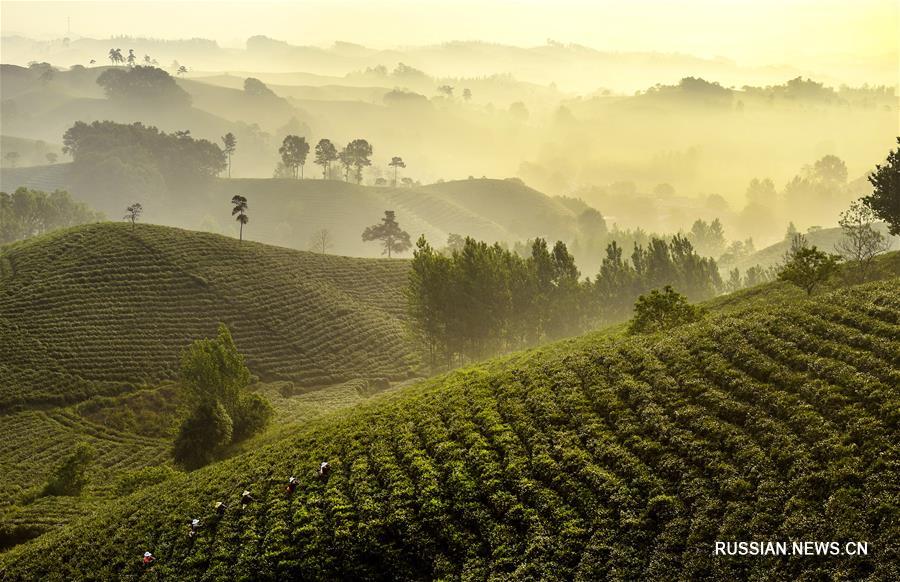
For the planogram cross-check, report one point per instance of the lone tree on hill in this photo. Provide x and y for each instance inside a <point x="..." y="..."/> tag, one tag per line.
<point x="133" y="213"/>
<point x="294" y="150"/>
<point x="320" y="241"/>
<point x="396" y="162"/>
<point x="239" y="208"/>
<point x="392" y="237"/>
<point x="661" y="311"/>
<point x="214" y="379"/>
<point x="807" y="267"/>
<point x="357" y="153"/>
<point x="132" y="59"/>
<point x="325" y="154"/>
<point x="230" y="143"/>
<point x="885" y="198"/>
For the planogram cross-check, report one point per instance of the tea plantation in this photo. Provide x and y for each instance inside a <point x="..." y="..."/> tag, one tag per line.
<point x="596" y="458"/>
<point x="103" y="308"/>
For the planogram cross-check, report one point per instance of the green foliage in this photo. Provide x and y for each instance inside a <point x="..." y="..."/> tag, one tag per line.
<point x="122" y="162"/>
<point x="594" y="456"/>
<point x="251" y="416"/>
<point x="657" y="311"/>
<point x="392" y="237"/>
<point x="98" y="310"/>
<point x="481" y="299"/>
<point x="203" y="434"/>
<point x="143" y="86"/>
<point x="26" y="213"/>
<point x="885" y="197"/>
<point x="215" y="379"/>
<point x="807" y="267"/>
<point x="131" y="481"/>
<point x="72" y="475"/>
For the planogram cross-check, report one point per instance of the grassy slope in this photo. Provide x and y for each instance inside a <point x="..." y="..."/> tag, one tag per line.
<point x="589" y="458"/>
<point x="97" y="308"/>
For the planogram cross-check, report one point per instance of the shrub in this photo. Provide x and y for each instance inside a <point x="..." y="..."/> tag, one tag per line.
<point x="202" y="435"/>
<point x="72" y="475"/>
<point x="661" y="311"/>
<point x="251" y="416"/>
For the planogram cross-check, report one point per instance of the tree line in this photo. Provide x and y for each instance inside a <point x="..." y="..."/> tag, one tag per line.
<point x="26" y="213"/>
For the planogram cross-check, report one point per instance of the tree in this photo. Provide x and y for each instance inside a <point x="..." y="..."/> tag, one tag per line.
<point x="133" y="213"/>
<point x="885" y="198"/>
<point x="396" y="162"/>
<point x="144" y="86"/>
<point x="446" y="90"/>
<point x="115" y="56"/>
<point x="861" y="242"/>
<point x="357" y="154"/>
<point x="214" y="379"/>
<point x="70" y="477"/>
<point x="132" y="59"/>
<point x="320" y="241"/>
<point x="325" y="154"/>
<point x="11" y="158"/>
<point x="807" y="267"/>
<point x="467" y="95"/>
<point x="230" y="143"/>
<point x="52" y="157"/>
<point x="239" y="208"/>
<point x="294" y="150"/>
<point x="392" y="237"/>
<point x="181" y="70"/>
<point x="662" y="311"/>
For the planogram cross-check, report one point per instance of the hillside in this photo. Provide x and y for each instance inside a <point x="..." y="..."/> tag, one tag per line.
<point x="592" y="458"/>
<point x="95" y="309"/>
<point x="288" y="212"/>
<point x="825" y="239"/>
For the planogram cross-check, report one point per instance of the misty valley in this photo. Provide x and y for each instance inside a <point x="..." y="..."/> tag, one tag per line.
<point x="449" y="303"/>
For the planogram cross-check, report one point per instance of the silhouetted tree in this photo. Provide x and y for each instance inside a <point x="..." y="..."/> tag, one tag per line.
<point x="467" y="95"/>
<point x="885" y="198"/>
<point x="230" y="143"/>
<point x="115" y="56"/>
<point x="52" y="157"/>
<point x="132" y="59"/>
<point x="325" y="154"/>
<point x="446" y="90"/>
<point x="357" y="154"/>
<point x="320" y="241"/>
<point x="861" y="242"/>
<point x="396" y="163"/>
<point x="239" y="208"/>
<point x="147" y="86"/>
<point x="182" y="70"/>
<point x="392" y="237"/>
<point x="294" y="150"/>
<point x="133" y="213"/>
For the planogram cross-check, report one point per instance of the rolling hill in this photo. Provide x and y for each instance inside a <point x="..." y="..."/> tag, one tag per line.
<point x="97" y="309"/>
<point x="597" y="457"/>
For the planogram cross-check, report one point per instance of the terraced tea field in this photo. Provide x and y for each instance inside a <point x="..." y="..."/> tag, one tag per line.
<point x="100" y="309"/>
<point x="597" y="458"/>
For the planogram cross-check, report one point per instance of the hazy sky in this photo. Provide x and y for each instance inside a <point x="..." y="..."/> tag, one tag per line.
<point x="749" y="31"/>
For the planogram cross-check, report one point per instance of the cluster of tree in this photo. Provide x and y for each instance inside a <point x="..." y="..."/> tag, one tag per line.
<point x="121" y="161"/>
<point x="26" y="213"/>
<point x="144" y="86"/>
<point x="662" y="310"/>
<point x="481" y="299"/>
<point x="620" y="282"/>
<point x="222" y="411"/>
<point x="355" y="156"/>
